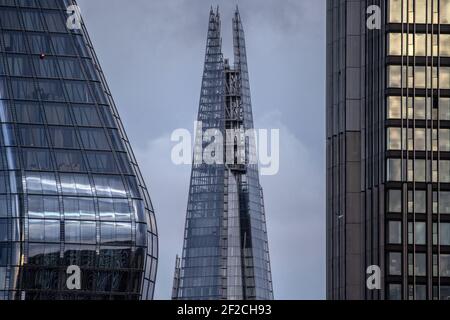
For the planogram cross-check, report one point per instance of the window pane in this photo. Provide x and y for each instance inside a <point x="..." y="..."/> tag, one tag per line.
<point x="395" y="263"/>
<point x="394" y="167"/>
<point x="445" y="234"/>
<point x="395" y="232"/>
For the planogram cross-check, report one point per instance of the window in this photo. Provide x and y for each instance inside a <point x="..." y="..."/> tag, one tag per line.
<point x="444" y="45"/>
<point x="107" y="232"/>
<point x="420" y="233"/>
<point x="445" y="234"/>
<point x="444" y="11"/>
<point x="75" y="184"/>
<point x="395" y="263"/>
<point x="44" y="230"/>
<point x="109" y="186"/>
<point x="394" y="170"/>
<point x="43" y="207"/>
<point x="417" y="203"/>
<point x="417" y="264"/>
<point x="419" y="292"/>
<point x="444" y="265"/>
<point x="72" y="231"/>
<point x="395" y="232"/>
<point x="64" y="137"/>
<point x="444" y="171"/>
<point x="395" y="201"/>
<point x="444" y="202"/>
<point x="36" y="159"/>
<point x="395" y="139"/>
<point x="395" y="11"/>
<point x="394" y="106"/>
<point x="41" y="183"/>
<point x="32" y="136"/>
<point x="70" y="161"/>
<point x="79" y="208"/>
<point x="94" y="139"/>
<point x="395" y="76"/>
<point x="444" y="108"/>
<point x="86" y="116"/>
<point x="57" y="114"/>
<point x="28" y="112"/>
<point x="101" y="162"/>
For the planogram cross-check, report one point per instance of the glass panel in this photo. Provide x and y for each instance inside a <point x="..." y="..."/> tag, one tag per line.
<point x="395" y="232"/>
<point x="395" y="263"/>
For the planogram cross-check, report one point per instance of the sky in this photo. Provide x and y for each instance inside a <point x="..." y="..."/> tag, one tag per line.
<point x="152" y="53"/>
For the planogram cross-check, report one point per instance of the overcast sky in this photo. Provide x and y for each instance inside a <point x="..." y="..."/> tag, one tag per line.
<point x="152" y="52"/>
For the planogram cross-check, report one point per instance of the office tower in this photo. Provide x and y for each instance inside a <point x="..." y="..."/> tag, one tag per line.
<point x="71" y="193"/>
<point x="388" y="148"/>
<point x="225" y="253"/>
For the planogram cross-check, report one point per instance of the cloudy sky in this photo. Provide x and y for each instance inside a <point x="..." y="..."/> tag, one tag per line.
<point x="152" y="53"/>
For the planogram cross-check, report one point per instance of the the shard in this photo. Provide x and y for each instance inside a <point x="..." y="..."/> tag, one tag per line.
<point x="76" y="221"/>
<point x="225" y="252"/>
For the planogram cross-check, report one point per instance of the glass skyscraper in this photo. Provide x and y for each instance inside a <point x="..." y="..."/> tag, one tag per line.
<point x="71" y="193"/>
<point x="388" y="148"/>
<point x="225" y="253"/>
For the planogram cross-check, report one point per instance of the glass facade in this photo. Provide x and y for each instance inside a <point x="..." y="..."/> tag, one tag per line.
<point x="397" y="81"/>
<point x="71" y="192"/>
<point x="225" y="253"/>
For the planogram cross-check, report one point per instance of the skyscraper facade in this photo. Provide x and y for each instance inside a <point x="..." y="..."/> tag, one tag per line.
<point x="71" y="193"/>
<point x="388" y="149"/>
<point x="225" y="253"/>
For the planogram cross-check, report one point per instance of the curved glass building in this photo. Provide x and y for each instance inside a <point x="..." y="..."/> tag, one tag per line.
<point x="71" y="193"/>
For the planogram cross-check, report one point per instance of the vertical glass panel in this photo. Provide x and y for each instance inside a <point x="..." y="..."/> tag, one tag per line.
<point x="395" y="232"/>
<point x="395" y="263"/>
<point x="395" y="44"/>
<point x="444" y="269"/>
<point x="395" y="11"/>
<point x="444" y="234"/>
<point x="395" y="201"/>
<point x="395" y="107"/>
<point x="444" y="202"/>
<point x="444" y="11"/>
<point x="394" y="170"/>
<point x="394" y="139"/>
<point x="444" y="171"/>
<point x="444" y="45"/>
<point x="395" y="76"/>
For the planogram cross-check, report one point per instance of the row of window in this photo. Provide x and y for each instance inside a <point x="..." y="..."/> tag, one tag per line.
<point x="46" y="43"/>
<point x="418" y="45"/>
<point x="72" y="185"/>
<point x="52" y="90"/>
<point x="419" y="108"/>
<point x="66" y="161"/>
<point x="418" y="292"/>
<point x="417" y="233"/>
<point x="417" y="201"/>
<point x="63" y="137"/>
<point x="417" y="264"/>
<point x="418" y="77"/>
<point x="84" y="115"/>
<point x="49" y="67"/>
<point x="418" y="170"/>
<point x="419" y="139"/>
<point x="419" y="11"/>
<point x="79" y="208"/>
<point x="33" y="19"/>
<point x="48" y="4"/>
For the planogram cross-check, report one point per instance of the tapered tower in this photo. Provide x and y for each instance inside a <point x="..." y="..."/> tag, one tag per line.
<point x="225" y="253"/>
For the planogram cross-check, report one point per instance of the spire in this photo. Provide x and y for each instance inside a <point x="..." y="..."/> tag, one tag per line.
<point x="217" y="11"/>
